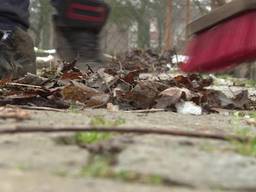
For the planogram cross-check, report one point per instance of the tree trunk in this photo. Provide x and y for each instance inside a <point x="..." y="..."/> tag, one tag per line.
<point x="188" y="16"/>
<point x="160" y="32"/>
<point x="143" y="26"/>
<point x="168" y="35"/>
<point x="144" y="34"/>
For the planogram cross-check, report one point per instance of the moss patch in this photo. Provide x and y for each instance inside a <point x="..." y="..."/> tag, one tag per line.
<point x="247" y="149"/>
<point x="101" y="167"/>
<point x="92" y="137"/>
<point x="95" y="137"/>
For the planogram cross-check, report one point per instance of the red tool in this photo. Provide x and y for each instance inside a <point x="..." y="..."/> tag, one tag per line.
<point x="224" y="38"/>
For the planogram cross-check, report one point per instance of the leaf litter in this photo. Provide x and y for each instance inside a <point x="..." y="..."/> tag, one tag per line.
<point x="118" y="86"/>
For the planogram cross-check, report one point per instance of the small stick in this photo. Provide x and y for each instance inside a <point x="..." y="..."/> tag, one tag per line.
<point x="122" y="130"/>
<point x="146" y="111"/>
<point x="24" y="85"/>
<point x="36" y="108"/>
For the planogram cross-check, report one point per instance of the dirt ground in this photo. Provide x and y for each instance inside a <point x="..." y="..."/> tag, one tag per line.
<point x="45" y="163"/>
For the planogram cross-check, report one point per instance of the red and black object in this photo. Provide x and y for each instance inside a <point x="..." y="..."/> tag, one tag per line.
<point x="89" y="14"/>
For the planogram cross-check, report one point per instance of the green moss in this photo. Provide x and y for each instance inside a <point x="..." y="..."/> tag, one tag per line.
<point x="249" y="83"/>
<point x="74" y="108"/>
<point x="101" y="167"/>
<point x="100" y="121"/>
<point x="22" y="167"/>
<point x="239" y="128"/>
<point x="91" y="138"/>
<point x="224" y="76"/>
<point x="95" y="137"/>
<point x="252" y="115"/>
<point x="247" y="149"/>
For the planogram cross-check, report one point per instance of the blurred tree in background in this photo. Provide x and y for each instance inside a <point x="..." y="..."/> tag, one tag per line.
<point x="132" y="23"/>
<point x="41" y="23"/>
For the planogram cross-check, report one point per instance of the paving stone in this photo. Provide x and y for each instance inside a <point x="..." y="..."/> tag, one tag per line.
<point x="17" y="181"/>
<point x="41" y="153"/>
<point x="183" y="160"/>
<point x="37" y="160"/>
<point x="214" y="123"/>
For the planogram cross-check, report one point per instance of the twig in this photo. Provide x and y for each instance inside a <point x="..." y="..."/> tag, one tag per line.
<point x="122" y="130"/>
<point x="120" y="66"/>
<point x="24" y="85"/>
<point x="105" y="82"/>
<point x="36" y="108"/>
<point x="146" y="111"/>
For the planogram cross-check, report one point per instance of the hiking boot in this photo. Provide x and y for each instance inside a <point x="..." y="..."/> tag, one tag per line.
<point x="17" y="56"/>
<point x="79" y="44"/>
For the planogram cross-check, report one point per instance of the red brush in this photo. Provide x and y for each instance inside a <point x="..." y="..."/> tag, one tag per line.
<point x="223" y="39"/>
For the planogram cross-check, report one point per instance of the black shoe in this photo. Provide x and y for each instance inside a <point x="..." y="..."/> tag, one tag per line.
<point x="79" y="44"/>
<point x="17" y="56"/>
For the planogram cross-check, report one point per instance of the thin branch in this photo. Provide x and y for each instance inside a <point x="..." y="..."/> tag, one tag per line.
<point x="24" y="85"/>
<point x="146" y="111"/>
<point x="122" y="130"/>
<point x="37" y="108"/>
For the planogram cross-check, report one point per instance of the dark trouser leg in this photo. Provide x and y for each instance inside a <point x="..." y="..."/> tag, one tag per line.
<point x="77" y="26"/>
<point x="14" y="13"/>
<point x="17" y="55"/>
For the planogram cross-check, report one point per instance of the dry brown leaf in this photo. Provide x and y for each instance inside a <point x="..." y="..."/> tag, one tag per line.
<point x="32" y="79"/>
<point x="219" y="99"/>
<point x="142" y="96"/>
<point x="172" y="96"/>
<point x="79" y="92"/>
<point x="14" y="113"/>
<point x="97" y="101"/>
<point x="72" y="75"/>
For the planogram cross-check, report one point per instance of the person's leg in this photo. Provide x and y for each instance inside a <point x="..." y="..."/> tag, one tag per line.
<point x="77" y="26"/>
<point x="17" y="55"/>
<point x="14" y="13"/>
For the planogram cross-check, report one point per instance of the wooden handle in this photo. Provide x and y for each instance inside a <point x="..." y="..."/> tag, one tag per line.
<point x="221" y="14"/>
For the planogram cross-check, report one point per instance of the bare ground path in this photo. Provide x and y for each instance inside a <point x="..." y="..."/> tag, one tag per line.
<point x="126" y="163"/>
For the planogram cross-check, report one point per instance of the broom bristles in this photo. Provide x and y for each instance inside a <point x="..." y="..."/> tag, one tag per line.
<point x="224" y="46"/>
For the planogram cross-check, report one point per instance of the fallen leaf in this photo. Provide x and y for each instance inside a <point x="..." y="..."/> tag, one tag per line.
<point x="171" y="96"/>
<point x="72" y="75"/>
<point x="79" y="92"/>
<point x="131" y="76"/>
<point x="14" y="113"/>
<point x="97" y="101"/>
<point x="240" y="101"/>
<point x="32" y="79"/>
<point x="142" y="96"/>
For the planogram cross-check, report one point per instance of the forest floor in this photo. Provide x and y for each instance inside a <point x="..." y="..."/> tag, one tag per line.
<point x="213" y="150"/>
<point x="128" y="162"/>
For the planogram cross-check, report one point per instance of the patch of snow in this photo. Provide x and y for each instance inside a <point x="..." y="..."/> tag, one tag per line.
<point x="47" y="59"/>
<point x="188" y="107"/>
<point x="50" y="51"/>
<point x="179" y="59"/>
